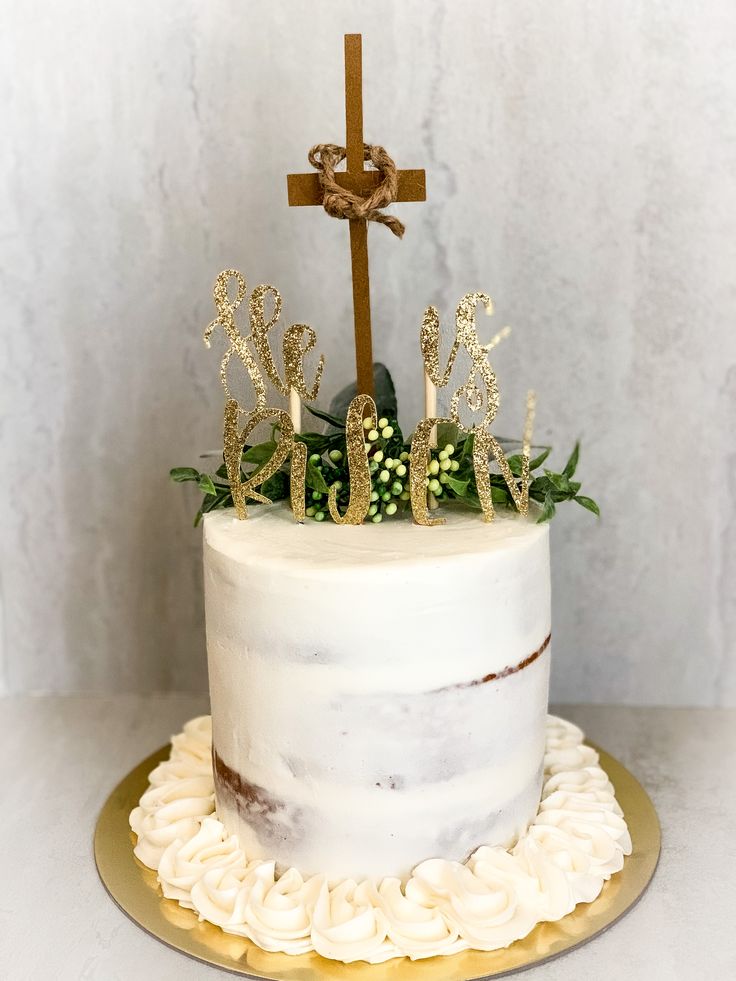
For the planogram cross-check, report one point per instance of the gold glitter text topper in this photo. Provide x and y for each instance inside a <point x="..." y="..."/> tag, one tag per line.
<point x="479" y="392"/>
<point x="298" y="341"/>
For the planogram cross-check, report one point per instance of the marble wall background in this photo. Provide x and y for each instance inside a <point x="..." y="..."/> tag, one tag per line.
<point x="580" y="164"/>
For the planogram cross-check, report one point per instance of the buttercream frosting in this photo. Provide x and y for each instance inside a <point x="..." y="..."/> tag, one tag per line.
<point x="576" y="842"/>
<point x="378" y="693"/>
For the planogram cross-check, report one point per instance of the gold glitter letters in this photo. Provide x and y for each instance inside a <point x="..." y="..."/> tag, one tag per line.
<point x="298" y="340"/>
<point x="479" y="393"/>
<point x="361" y="407"/>
<point x="417" y="472"/>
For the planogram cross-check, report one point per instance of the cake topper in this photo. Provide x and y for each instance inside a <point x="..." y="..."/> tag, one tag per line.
<point x="479" y="392"/>
<point x="298" y="340"/>
<point x="362" y="468"/>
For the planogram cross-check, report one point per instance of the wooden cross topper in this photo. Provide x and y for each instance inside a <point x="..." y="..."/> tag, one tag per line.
<point x="307" y="189"/>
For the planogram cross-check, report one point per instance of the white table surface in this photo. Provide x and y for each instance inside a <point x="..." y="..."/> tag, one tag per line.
<point x="61" y="756"/>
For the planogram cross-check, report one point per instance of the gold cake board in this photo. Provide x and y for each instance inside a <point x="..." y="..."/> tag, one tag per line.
<point x="135" y="889"/>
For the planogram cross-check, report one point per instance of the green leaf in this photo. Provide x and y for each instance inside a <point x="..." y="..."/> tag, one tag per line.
<point x="589" y="503"/>
<point x="473" y="501"/>
<point x="559" y="481"/>
<point x="548" y="510"/>
<point x="315" y="442"/>
<point x="539" y="460"/>
<point x="223" y="499"/>
<point x="514" y="463"/>
<point x="385" y="395"/>
<point x="181" y="474"/>
<point x="572" y="463"/>
<point x="466" y="448"/>
<point x="205" y="484"/>
<point x="500" y="495"/>
<point x="260" y="453"/>
<point x="315" y="480"/>
<point x="326" y="416"/>
<point x="447" y="432"/>
<point x="458" y="487"/>
<point x="276" y="487"/>
<point x="543" y="486"/>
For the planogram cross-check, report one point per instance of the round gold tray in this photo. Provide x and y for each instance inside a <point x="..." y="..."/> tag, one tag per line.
<point x="135" y="890"/>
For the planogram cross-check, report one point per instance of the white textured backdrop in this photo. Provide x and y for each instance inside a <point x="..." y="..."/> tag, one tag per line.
<point x="580" y="163"/>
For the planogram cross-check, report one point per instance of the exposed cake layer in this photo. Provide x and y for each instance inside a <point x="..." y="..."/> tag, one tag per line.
<point x="378" y="693"/>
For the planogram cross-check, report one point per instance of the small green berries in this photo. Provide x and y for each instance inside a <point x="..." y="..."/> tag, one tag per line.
<point x="390" y="494"/>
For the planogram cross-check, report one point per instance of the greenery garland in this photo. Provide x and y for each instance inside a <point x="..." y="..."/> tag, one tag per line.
<point x="449" y="476"/>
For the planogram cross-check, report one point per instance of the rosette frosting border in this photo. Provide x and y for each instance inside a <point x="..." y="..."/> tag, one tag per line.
<point x="576" y="842"/>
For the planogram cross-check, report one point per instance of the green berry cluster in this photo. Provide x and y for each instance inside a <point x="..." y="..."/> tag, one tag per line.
<point x="439" y="468"/>
<point x="388" y="463"/>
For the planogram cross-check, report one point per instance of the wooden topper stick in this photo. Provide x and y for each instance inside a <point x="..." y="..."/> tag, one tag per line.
<point x="358" y="226"/>
<point x="306" y="189"/>
<point x="295" y="409"/>
<point x="430" y="407"/>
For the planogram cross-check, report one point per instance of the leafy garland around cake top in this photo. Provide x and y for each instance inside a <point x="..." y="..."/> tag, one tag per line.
<point x="450" y="474"/>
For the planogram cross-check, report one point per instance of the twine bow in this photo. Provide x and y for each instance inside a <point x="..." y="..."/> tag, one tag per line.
<point x="342" y="203"/>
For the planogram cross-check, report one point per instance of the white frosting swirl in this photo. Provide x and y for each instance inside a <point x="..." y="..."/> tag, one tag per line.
<point x="278" y="912"/>
<point x="576" y="842"/>
<point x="184" y="863"/>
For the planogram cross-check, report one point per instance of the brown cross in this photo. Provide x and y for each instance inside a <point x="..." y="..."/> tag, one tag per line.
<point x="305" y="189"/>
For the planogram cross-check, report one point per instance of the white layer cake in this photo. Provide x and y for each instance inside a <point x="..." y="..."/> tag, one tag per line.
<point x="379" y="693"/>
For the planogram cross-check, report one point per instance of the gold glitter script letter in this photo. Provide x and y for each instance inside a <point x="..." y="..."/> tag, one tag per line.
<point x="418" y="470"/>
<point x="360" y="475"/>
<point x="480" y="393"/>
<point x="235" y="439"/>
